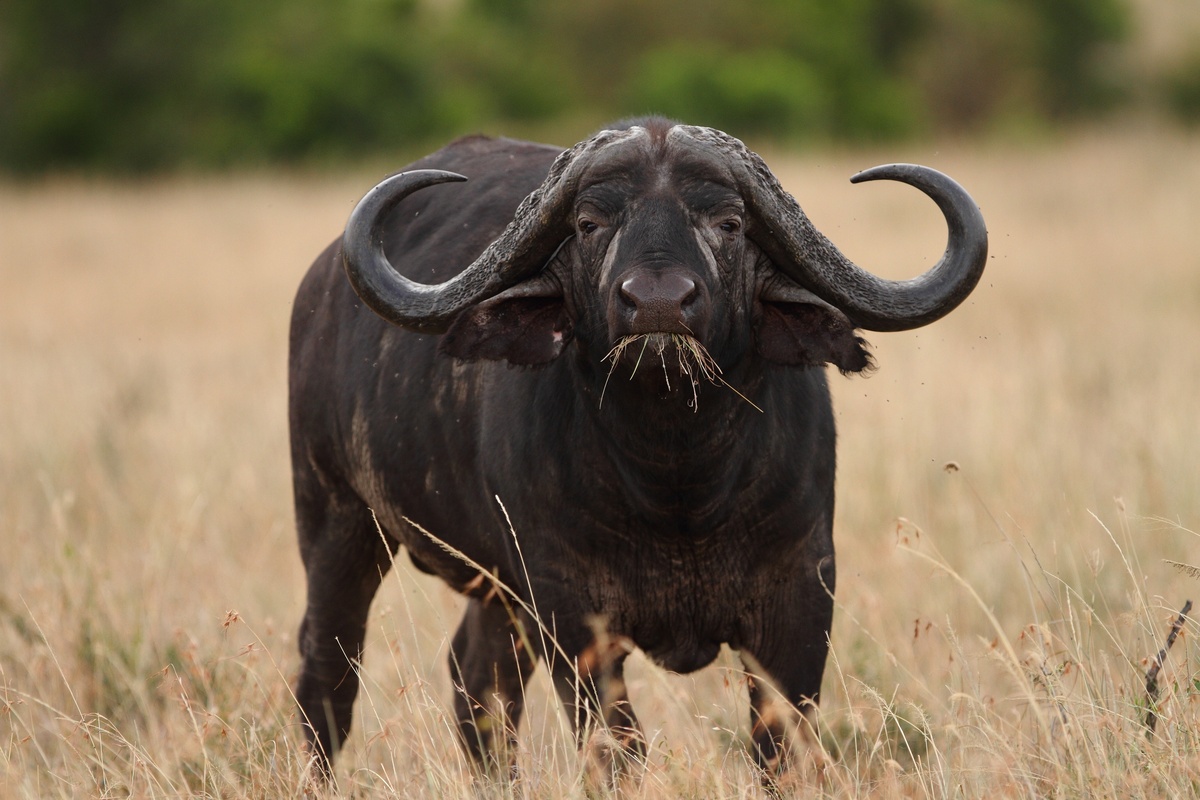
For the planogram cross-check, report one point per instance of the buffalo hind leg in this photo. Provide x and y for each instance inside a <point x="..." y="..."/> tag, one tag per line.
<point x="489" y="665"/>
<point x="345" y="560"/>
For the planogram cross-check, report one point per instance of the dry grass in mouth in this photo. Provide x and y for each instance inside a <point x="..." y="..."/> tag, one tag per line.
<point x="693" y="360"/>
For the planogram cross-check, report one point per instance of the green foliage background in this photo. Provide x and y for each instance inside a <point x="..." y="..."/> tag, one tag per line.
<point x="143" y="85"/>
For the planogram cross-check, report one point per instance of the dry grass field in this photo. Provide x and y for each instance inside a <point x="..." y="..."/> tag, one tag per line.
<point x="995" y="621"/>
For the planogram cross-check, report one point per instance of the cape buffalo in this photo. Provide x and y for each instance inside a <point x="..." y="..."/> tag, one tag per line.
<point x="624" y="345"/>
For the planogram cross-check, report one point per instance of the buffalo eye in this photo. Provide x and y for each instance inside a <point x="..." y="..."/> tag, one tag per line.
<point x="730" y="226"/>
<point x="586" y="226"/>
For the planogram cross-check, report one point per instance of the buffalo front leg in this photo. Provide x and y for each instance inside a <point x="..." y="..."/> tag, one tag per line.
<point x="785" y="675"/>
<point x="590" y="680"/>
<point x="489" y="665"/>
<point x="345" y="560"/>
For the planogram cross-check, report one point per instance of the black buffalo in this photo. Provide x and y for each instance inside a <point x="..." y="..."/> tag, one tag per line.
<point x="589" y="383"/>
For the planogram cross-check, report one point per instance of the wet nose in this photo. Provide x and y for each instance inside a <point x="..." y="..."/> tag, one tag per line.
<point x="658" y="300"/>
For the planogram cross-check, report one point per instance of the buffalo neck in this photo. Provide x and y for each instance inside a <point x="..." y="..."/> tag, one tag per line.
<point x="671" y="456"/>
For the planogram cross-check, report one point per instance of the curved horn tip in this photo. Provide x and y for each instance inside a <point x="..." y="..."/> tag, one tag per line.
<point x="906" y="173"/>
<point x="424" y="177"/>
<point x="385" y="195"/>
<point x="955" y="201"/>
<point x="938" y="185"/>
<point x="961" y="267"/>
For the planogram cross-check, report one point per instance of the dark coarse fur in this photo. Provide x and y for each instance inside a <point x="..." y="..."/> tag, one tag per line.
<point x="673" y="526"/>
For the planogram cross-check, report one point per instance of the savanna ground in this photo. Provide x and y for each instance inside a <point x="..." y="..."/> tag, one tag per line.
<point x="995" y="621"/>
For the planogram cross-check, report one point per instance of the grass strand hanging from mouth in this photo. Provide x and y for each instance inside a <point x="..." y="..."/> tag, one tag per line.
<point x="694" y="362"/>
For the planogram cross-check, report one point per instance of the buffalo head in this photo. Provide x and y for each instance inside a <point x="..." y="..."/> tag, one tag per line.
<point x="664" y="233"/>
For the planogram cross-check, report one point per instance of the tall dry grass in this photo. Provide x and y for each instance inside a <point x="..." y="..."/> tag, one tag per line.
<point x="995" y="618"/>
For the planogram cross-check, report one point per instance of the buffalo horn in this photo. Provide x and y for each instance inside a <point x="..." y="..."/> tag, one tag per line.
<point x="539" y="226"/>
<point x="806" y="255"/>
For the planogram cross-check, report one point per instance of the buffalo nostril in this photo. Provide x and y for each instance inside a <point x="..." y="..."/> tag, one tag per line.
<point x="692" y="293"/>
<point x="671" y="289"/>
<point x="627" y="292"/>
<point x="630" y="290"/>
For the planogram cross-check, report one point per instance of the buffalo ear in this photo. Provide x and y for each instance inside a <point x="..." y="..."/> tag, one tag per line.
<point x="799" y="329"/>
<point x="526" y="325"/>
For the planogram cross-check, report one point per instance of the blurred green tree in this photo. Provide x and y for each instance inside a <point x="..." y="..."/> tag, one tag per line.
<point x="1182" y="87"/>
<point x="140" y="85"/>
<point x="83" y="82"/>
